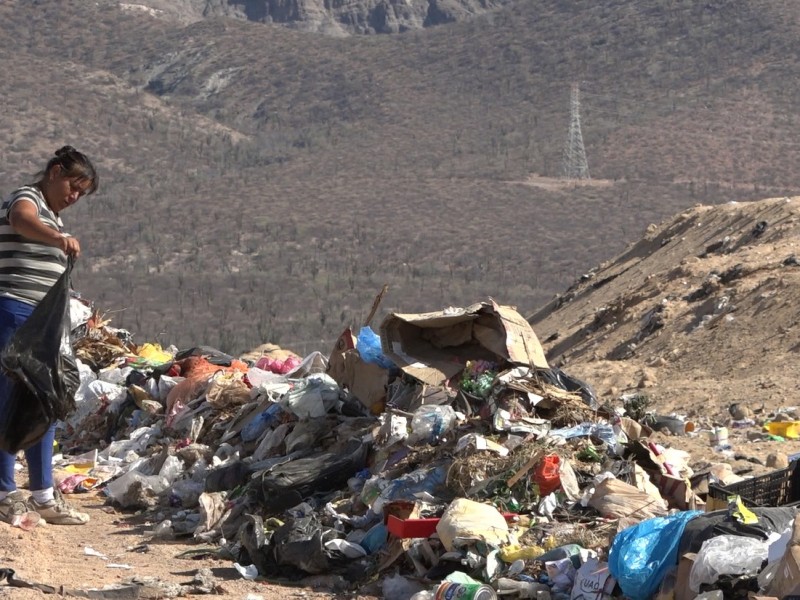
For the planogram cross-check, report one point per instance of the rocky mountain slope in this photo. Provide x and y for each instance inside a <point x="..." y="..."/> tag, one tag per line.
<point x="342" y="17"/>
<point x="262" y="183"/>
<point x="699" y="314"/>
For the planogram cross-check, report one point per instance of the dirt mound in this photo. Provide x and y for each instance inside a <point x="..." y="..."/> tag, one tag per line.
<point x="701" y="312"/>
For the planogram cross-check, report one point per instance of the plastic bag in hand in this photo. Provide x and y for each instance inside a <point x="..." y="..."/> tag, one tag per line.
<point x="41" y="364"/>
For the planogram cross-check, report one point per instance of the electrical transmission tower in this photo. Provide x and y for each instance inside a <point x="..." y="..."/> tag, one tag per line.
<point x="575" y="165"/>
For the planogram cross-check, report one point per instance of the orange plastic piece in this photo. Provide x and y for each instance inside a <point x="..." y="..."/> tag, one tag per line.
<point x="546" y="475"/>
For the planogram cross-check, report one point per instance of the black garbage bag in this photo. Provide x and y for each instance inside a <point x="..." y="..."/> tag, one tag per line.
<point x="212" y="355"/>
<point x="288" y="484"/>
<point x="719" y="522"/>
<point x="40" y="362"/>
<point x="560" y="379"/>
<point x="228" y="477"/>
<point x="254" y="540"/>
<point x="300" y="543"/>
<point x="294" y="550"/>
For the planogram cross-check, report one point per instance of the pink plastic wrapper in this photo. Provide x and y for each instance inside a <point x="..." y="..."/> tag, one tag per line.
<point x="77" y="483"/>
<point x="281" y="367"/>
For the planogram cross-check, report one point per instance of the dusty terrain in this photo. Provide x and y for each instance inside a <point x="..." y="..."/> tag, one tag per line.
<point x="700" y="313"/>
<point x="55" y="556"/>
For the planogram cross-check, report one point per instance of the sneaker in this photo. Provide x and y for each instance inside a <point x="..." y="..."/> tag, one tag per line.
<point x="13" y="505"/>
<point x="58" y="512"/>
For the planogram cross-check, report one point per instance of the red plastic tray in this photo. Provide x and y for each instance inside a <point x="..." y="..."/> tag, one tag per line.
<point x="421" y="528"/>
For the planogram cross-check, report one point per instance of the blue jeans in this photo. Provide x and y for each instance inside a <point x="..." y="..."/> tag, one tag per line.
<point x="14" y="313"/>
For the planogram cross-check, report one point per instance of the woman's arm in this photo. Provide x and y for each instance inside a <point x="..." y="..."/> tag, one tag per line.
<point x="24" y="219"/>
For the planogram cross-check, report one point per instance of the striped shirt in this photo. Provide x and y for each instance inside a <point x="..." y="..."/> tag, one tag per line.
<point x="28" y="269"/>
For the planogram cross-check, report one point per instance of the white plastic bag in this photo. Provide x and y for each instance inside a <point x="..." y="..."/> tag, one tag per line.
<point x="312" y="397"/>
<point x="593" y="581"/>
<point x="727" y="555"/>
<point x="466" y="521"/>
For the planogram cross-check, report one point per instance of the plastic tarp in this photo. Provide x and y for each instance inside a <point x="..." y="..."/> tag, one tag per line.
<point x="641" y="555"/>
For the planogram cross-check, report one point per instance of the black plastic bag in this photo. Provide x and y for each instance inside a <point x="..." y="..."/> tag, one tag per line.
<point x="559" y="378"/>
<point x="300" y="543"/>
<point x="40" y="362"/>
<point x="288" y="484"/>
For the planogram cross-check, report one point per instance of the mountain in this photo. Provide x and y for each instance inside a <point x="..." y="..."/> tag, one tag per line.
<point x="263" y="182"/>
<point x="340" y="18"/>
<point x="696" y="319"/>
<point x="700" y="313"/>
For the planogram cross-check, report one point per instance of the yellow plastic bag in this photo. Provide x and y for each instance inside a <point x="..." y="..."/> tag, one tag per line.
<point x="154" y="353"/>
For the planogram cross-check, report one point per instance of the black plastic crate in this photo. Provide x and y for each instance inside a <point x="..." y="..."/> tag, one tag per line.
<point x="779" y="488"/>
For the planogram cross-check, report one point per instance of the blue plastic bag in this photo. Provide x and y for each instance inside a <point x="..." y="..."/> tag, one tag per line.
<point x="641" y="555"/>
<point x="368" y="345"/>
<point x="259" y="425"/>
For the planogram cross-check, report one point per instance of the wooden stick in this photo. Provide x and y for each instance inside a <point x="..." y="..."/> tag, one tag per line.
<point x="375" y="304"/>
<point x="525" y="468"/>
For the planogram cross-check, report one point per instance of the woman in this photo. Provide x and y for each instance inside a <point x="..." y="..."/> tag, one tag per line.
<point x="33" y="254"/>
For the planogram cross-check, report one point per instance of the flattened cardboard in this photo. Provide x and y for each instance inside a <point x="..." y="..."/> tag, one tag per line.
<point x="787" y="579"/>
<point x="678" y="492"/>
<point x="682" y="589"/>
<point x="366" y="381"/>
<point x="433" y="347"/>
<point x="336" y="362"/>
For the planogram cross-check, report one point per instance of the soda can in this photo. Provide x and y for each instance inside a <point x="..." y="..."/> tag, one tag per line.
<point x="465" y="591"/>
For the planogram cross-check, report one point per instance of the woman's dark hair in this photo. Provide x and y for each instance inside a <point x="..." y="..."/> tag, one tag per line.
<point x="73" y="164"/>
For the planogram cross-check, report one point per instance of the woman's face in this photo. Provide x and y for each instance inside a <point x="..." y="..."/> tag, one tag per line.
<point x="64" y="191"/>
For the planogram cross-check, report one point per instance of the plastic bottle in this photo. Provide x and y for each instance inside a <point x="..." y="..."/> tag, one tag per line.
<point x="515" y="552"/>
<point x="372" y="489"/>
<point x="570" y="551"/>
<point x="430" y="423"/>
<point x="257" y="426"/>
<point x="521" y="589"/>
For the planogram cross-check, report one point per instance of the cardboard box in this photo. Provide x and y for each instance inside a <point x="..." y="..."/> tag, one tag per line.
<point x="685" y="564"/>
<point x="678" y="492"/>
<point x="787" y="579"/>
<point x="366" y="381"/>
<point x="433" y="347"/>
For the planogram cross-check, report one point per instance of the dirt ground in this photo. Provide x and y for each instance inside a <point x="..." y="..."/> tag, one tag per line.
<point x="55" y="556"/>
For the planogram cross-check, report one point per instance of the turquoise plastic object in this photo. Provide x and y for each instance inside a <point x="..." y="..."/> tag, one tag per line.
<point x="368" y="345"/>
<point x="375" y="538"/>
<point x="641" y="555"/>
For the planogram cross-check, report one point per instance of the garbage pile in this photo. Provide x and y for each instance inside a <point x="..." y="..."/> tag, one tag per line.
<point x="439" y="457"/>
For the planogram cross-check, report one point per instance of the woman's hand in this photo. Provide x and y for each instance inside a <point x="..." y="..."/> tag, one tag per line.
<point x="70" y="246"/>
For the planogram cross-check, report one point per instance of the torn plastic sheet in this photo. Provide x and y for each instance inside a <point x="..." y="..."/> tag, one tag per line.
<point x="138" y="440"/>
<point x="312" y="397"/>
<point x="502" y="421"/>
<point x="603" y="431"/>
<point x="315" y="363"/>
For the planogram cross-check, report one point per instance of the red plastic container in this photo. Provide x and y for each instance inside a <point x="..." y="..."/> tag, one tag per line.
<point x="421" y="528"/>
<point x="546" y="475"/>
<point x="412" y="528"/>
